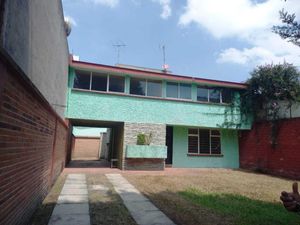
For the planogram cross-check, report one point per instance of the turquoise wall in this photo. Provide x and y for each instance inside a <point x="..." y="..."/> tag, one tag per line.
<point x="229" y="148"/>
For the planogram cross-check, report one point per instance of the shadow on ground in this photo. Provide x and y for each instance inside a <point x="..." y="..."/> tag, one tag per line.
<point x="88" y="164"/>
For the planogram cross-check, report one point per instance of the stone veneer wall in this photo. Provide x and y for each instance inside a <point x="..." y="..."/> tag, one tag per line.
<point x="131" y="130"/>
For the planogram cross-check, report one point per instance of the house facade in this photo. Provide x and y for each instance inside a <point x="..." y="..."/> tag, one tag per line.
<point x="191" y="122"/>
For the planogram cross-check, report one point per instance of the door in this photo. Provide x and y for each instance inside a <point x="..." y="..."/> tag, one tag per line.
<point x="169" y="144"/>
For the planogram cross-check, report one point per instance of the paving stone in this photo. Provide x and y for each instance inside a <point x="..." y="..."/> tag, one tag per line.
<point x="74" y="191"/>
<point x="64" y="209"/>
<point x="66" y="199"/>
<point x="77" y="175"/>
<point x="75" y="182"/>
<point x="72" y="219"/>
<point x="75" y="186"/>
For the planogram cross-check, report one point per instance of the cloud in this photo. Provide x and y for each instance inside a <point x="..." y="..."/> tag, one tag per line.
<point x="109" y="3"/>
<point x="166" y="8"/>
<point x="248" y="21"/>
<point x="71" y="20"/>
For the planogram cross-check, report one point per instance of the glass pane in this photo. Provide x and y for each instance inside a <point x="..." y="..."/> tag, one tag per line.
<point x="202" y="94"/>
<point x="193" y="144"/>
<point x="215" y="145"/>
<point x="185" y="91"/>
<point x="215" y="132"/>
<point x="204" y="141"/>
<point x="154" y="88"/>
<point x="99" y="82"/>
<point x="137" y="86"/>
<point x="226" y="96"/>
<point x="214" y="95"/>
<point x="82" y="80"/>
<point x="116" y="83"/>
<point x="172" y="90"/>
<point x="193" y="131"/>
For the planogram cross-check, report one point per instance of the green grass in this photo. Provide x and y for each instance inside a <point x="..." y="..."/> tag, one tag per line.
<point x="243" y="210"/>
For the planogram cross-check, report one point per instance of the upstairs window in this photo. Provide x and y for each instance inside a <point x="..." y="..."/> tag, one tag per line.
<point x="202" y="94"/>
<point x="154" y="88"/>
<point x="137" y="86"/>
<point x="116" y="83"/>
<point x="99" y="82"/>
<point x="172" y="90"/>
<point x="204" y="141"/>
<point x="227" y="95"/>
<point x="185" y="91"/>
<point x="214" y="95"/>
<point x="82" y="80"/>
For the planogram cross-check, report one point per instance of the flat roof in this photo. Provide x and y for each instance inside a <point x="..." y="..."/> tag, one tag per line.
<point x="161" y="75"/>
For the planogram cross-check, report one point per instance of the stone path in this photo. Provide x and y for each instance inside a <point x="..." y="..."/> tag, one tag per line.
<point x="140" y="207"/>
<point x="72" y="206"/>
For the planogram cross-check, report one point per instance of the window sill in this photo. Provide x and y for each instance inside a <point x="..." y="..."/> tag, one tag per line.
<point x="205" y="155"/>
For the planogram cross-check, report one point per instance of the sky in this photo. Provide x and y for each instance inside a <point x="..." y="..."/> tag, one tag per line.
<point x="215" y="39"/>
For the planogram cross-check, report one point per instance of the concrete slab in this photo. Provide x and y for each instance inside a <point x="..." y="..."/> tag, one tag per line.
<point x="75" y="219"/>
<point x="75" y="186"/>
<point x="76" y="175"/>
<point x="75" y="181"/>
<point x="67" y="199"/>
<point x="65" y="209"/>
<point x="141" y="209"/>
<point x="74" y="191"/>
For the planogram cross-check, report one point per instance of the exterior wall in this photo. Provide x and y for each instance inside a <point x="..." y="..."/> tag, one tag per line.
<point x="131" y="130"/>
<point x="109" y="107"/>
<point x="257" y="153"/>
<point x="105" y="144"/>
<point x="86" y="148"/>
<point x="32" y="146"/>
<point x="229" y="150"/>
<point x="33" y="35"/>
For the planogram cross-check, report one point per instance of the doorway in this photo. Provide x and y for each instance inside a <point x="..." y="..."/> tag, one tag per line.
<point x="169" y="144"/>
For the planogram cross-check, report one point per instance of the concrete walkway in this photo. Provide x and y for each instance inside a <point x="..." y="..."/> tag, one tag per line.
<point x="72" y="206"/>
<point x="140" y="207"/>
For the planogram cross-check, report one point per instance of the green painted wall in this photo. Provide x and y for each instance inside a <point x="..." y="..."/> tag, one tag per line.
<point x="229" y="148"/>
<point x="146" y="151"/>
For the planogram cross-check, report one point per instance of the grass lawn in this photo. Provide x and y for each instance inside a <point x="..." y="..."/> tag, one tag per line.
<point x="218" y="197"/>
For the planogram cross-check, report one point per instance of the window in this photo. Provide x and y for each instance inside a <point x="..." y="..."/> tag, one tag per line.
<point x="204" y="141"/>
<point x="99" y="82"/>
<point x="202" y="94"/>
<point x="226" y="96"/>
<point x="172" y="90"/>
<point x="214" y="95"/>
<point x="185" y="91"/>
<point x="137" y="86"/>
<point x="116" y="83"/>
<point x="154" y="88"/>
<point x="82" y="80"/>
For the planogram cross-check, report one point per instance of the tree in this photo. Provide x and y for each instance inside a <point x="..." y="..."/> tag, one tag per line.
<point x="291" y="30"/>
<point x="268" y="87"/>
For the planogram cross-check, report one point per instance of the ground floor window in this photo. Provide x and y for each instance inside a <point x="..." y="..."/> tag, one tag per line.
<point x="204" y="141"/>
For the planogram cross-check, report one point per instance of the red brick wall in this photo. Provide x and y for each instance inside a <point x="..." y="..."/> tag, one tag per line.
<point x="32" y="146"/>
<point x="256" y="151"/>
<point x="86" y="148"/>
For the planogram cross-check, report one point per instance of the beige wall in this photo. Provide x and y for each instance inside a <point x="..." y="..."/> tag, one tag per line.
<point x="86" y="148"/>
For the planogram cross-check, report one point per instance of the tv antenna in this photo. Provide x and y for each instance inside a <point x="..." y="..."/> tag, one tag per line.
<point x="119" y="46"/>
<point x="165" y="66"/>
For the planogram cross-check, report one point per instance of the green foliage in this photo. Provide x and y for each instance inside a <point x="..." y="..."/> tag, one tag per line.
<point x="291" y="28"/>
<point x="144" y="139"/>
<point x="268" y="86"/>
<point x="243" y="210"/>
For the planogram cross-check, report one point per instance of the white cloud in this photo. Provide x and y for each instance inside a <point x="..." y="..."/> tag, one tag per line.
<point x="71" y="20"/>
<point x="109" y="3"/>
<point x="247" y="21"/>
<point x="166" y="8"/>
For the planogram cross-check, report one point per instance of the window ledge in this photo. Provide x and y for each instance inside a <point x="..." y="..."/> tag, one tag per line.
<point x="205" y="155"/>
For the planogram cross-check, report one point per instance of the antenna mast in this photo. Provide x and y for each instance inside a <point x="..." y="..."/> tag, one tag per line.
<point x="118" y="46"/>
<point x="165" y="66"/>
